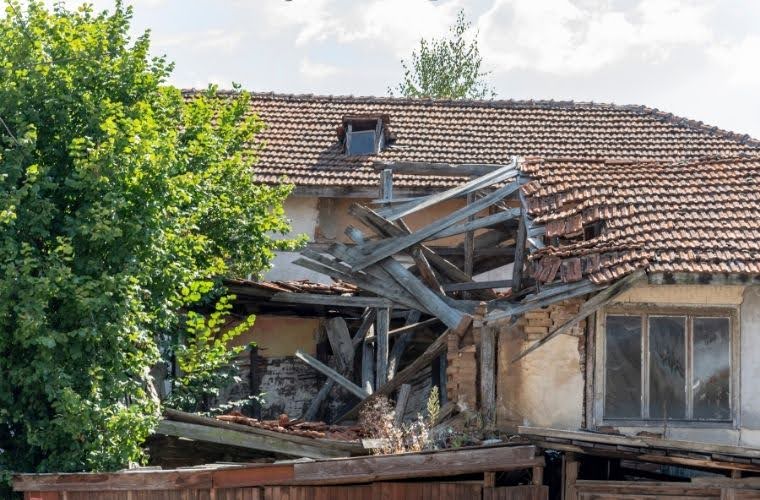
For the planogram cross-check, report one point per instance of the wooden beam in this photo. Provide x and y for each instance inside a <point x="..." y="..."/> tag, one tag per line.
<point x="475" y="224"/>
<point x="517" y="267"/>
<point x="504" y="308"/>
<point x="393" y="245"/>
<point x="476" y="285"/>
<point x="438" y="169"/>
<point x="330" y="373"/>
<point x="469" y="240"/>
<point x="368" y="366"/>
<point x="401" y="400"/>
<point x="246" y="440"/>
<point x="588" y="308"/>
<point x="400" y="344"/>
<point x="434" y="350"/>
<point x="488" y="375"/>
<point x="311" y="412"/>
<point x="440" y="463"/>
<point x="114" y="481"/>
<point x="330" y="300"/>
<point x="497" y="176"/>
<point x="340" y="341"/>
<point x="366" y="326"/>
<point x="386" y="185"/>
<point x="413" y="327"/>
<point x="382" y="324"/>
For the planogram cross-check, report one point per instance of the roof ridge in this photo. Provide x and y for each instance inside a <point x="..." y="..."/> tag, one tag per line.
<point x="655" y="113"/>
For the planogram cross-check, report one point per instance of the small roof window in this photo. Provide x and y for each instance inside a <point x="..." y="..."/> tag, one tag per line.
<point x="364" y="135"/>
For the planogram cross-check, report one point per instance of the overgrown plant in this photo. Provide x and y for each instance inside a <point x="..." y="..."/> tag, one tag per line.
<point x="206" y="360"/>
<point x="446" y="68"/>
<point x="117" y="194"/>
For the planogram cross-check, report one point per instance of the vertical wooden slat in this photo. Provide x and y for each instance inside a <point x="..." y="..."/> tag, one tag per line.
<point x="517" y="267"/>
<point x="382" y="323"/>
<point x="569" y="476"/>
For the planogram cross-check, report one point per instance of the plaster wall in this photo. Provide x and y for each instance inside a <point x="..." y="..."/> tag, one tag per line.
<point x="277" y="336"/>
<point x="544" y="388"/>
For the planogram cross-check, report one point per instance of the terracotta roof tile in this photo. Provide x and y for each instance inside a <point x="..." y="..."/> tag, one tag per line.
<point x="689" y="217"/>
<point x="300" y="142"/>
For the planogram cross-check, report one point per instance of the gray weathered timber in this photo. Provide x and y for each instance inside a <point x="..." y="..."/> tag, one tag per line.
<point x="468" y="244"/>
<point x="434" y="350"/>
<point x="246" y="440"/>
<point x="517" y="267"/>
<point x="476" y="285"/>
<point x="393" y="245"/>
<point x="476" y="224"/>
<point x="487" y="375"/>
<point x="588" y="308"/>
<point x="481" y="182"/>
<point x="438" y="169"/>
<point x="368" y="366"/>
<point x="399" y="346"/>
<point x="382" y="325"/>
<point x="311" y="412"/>
<point x="365" y="328"/>
<point x="503" y="309"/>
<point x="413" y="327"/>
<point x="340" y="341"/>
<point x="330" y="300"/>
<point x="401" y="400"/>
<point x="386" y="185"/>
<point x="330" y="373"/>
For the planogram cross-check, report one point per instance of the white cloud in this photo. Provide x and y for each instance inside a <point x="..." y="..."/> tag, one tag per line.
<point x="738" y="60"/>
<point x="572" y="37"/>
<point x="394" y="24"/>
<point x="316" y="70"/>
<point x="216" y="39"/>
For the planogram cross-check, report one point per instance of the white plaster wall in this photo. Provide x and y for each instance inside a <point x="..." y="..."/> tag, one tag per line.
<point x="303" y="214"/>
<point x="750" y="367"/>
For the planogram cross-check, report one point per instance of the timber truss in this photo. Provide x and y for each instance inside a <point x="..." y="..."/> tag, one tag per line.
<point x="397" y="265"/>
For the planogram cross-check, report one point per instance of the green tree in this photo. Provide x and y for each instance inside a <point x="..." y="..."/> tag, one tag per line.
<point x="121" y="203"/>
<point x="446" y="68"/>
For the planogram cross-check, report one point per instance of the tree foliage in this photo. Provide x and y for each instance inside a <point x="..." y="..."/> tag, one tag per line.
<point x="121" y="199"/>
<point x="446" y="68"/>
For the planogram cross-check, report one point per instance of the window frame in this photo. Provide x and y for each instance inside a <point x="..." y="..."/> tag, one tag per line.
<point x="645" y="311"/>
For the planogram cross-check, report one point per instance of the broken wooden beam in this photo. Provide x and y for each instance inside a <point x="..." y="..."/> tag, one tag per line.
<point x="340" y="341"/>
<point x="390" y="246"/>
<point x="330" y="373"/>
<point x="401" y="400"/>
<point x="382" y="325"/>
<point x="476" y="285"/>
<point x="368" y="321"/>
<point x="330" y="300"/>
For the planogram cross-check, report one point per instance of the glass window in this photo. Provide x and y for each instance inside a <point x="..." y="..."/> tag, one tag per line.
<point x="712" y="369"/>
<point x="362" y="143"/>
<point x="623" y="369"/>
<point x="686" y="362"/>
<point x="667" y="367"/>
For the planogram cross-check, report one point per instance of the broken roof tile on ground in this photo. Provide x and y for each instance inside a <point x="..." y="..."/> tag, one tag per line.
<point x="302" y="145"/>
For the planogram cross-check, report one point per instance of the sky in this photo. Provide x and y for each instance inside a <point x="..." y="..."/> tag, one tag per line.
<point x="697" y="59"/>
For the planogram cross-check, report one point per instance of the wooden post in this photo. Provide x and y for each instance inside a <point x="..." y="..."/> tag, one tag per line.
<point x="368" y="366"/>
<point x="489" y="479"/>
<point x="537" y="477"/>
<point x="517" y="266"/>
<point x="399" y="345"/>
<point x="469" y="245"/>
<point x="569" y="476"/>
<point x="386" y="184"/>
<point x="382" y="323"/>
<point x="487" y="374"/>
<point x="401" y="400"/>
<point x="342" y="346"/>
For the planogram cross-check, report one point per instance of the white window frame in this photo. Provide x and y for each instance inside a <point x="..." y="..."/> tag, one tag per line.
<point x="645" y="311"/>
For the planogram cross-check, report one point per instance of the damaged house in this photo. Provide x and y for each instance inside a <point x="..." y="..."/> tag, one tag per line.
<point x="584" y="276"/>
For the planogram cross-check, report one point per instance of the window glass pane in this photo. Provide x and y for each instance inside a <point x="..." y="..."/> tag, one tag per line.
<point x="667" y="367"/>
<point x="362" y="143"/>
<point x="623" y="367"/>
<point x="711" y="369"/>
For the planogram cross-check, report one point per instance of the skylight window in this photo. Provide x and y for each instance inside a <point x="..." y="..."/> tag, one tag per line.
<point x="364" y="135"/>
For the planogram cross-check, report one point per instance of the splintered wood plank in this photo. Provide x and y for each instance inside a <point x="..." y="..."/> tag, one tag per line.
<point x="475" y="224"/>
<point x="329" y="300"/>
<point x="368" y="366"/>
<point x="393" y="245"/>
<point x="588" y="308"/>
<point x="329" y="372"/>
<point x="517" y="267"/>
<point x="311" y="412"/>
<point x="366" y="327"/>
<point x="400" y="344"/>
